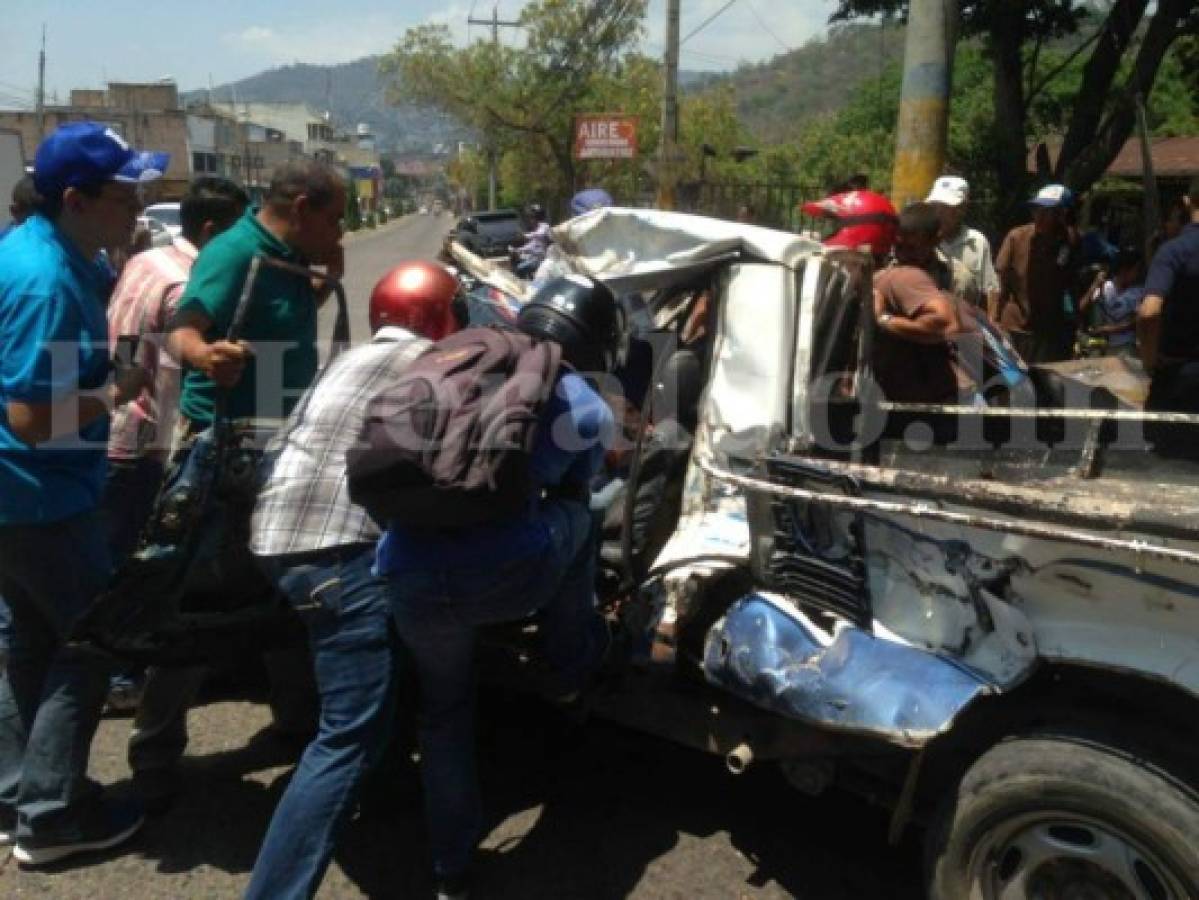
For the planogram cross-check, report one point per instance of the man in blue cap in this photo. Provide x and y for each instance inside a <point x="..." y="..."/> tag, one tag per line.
<point x="57" y="387"/>
<point x="1036" y="267"/>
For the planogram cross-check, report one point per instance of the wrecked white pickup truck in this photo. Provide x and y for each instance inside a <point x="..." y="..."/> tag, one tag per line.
<point x="986" y="616"/>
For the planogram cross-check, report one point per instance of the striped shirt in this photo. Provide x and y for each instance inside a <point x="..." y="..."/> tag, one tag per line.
<point x="304" y="504"/>
<point x="143" y="303"/>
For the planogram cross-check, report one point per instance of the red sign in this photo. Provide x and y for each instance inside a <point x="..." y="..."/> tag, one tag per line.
<point x="605" y="137"/>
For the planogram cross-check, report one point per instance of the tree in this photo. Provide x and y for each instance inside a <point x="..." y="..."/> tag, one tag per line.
<point x="1121" y="46"/>
<point x="523" y="98"/>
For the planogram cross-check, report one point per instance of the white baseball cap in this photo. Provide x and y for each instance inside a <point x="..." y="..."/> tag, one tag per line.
<point x="950" y="190"/>
<point x="1053" y="196"/>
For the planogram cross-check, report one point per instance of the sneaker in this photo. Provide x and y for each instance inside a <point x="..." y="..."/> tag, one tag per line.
<point x="113" y="824"/>
<point x="8" y="826"/>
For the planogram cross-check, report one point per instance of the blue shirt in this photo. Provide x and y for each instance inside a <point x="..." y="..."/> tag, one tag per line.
<point x="53" y="344"/>
<point x="1174" y="276"/>
<point x="574" y="432"/>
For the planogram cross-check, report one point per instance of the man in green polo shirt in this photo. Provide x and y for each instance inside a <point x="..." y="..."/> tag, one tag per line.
<point x="267" y="370"/>
<point x="263" y="373"/>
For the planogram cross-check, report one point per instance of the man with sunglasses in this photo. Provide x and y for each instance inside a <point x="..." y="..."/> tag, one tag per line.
<point x="57" y="387"/>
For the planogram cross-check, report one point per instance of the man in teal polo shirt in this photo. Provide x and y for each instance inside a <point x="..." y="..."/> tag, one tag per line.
<point x="266" y="371"/>
<point x="262" y="374"/>
<point x="55" y="397"/>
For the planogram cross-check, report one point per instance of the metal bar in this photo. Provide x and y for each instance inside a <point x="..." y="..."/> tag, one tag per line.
<point x="1114" y="415"/>
<point x="925" y="510"/>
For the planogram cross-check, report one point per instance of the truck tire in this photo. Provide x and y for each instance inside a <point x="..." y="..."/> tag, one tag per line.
<point x="1057" y="816"/>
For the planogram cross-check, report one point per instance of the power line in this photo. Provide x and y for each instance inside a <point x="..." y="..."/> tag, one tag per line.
<point x="706" y="22"/>
<point x="766" y="28"/>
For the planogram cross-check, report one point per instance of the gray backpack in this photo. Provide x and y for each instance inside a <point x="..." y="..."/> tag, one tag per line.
<point x="448" y="446"/>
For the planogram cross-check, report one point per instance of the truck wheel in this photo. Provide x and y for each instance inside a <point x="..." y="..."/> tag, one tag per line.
<point x="1059" y="817"/>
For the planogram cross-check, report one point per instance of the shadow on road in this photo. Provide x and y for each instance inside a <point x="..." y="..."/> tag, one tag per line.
<point x="592" y="813"/>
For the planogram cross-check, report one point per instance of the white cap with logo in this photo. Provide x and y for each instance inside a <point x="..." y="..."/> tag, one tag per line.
<point x="950" y="190"/>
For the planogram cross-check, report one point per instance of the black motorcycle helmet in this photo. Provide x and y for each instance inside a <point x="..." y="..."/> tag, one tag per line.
<point x="535" y="212"/>
<point x="583" y="316"/>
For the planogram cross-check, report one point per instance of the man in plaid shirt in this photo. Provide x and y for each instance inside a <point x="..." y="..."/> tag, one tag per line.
<point x="319" y="548"/>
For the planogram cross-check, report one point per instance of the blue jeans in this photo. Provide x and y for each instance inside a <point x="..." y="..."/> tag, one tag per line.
<point x="51" y="697"/>
<point x="347" y="612"/>
<point x="129" y="492"/>
<point x="437" y="612"/>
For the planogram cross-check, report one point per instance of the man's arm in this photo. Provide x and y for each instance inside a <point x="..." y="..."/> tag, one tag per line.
<point x="1149" y="329"/>
<point x="934" y="322"/>
<point x="1158" y="285"/>
<point x="222" y="361"/>
<point x="37" y="423"/>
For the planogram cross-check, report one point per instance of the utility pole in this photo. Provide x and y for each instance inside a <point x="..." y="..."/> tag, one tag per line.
<point x="921" y="133"/>
<point x="41" y="88"/>
<point x="668" y="145"/>
<point x="495" y="24"/>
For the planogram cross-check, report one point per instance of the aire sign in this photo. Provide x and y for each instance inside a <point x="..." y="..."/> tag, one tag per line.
<point x="605" y="137"/>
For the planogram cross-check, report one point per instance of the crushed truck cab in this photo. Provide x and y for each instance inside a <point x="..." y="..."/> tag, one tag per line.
<point x="942" y="597"/>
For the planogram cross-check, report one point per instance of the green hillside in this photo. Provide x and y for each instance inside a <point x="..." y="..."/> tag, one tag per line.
<point x="774" y="99"/>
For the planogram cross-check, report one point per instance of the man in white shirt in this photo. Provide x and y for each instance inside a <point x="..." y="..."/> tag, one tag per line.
<point x="950" y="195"/>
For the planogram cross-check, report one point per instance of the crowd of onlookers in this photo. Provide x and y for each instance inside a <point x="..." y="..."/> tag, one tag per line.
<point x="1053" y="291"/>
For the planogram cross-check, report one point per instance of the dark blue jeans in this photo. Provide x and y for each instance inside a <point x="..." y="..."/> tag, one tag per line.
<point x="129" y="492"/>
<point x="348" y="615"/>
<point x="51" y="697"/>
<point x="437" y="613"/>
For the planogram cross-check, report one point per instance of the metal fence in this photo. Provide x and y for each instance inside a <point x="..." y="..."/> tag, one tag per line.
<point x="773" y="205"/>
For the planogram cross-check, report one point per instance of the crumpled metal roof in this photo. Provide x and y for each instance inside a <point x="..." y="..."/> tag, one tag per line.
<point x="635" y="249"/>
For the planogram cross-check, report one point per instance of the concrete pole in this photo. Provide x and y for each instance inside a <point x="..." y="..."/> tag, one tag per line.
<point x="669" y="142"/>
<point x="492" y="160"/>
<point x="41" y="89"/>
<point x="921" y="133"/>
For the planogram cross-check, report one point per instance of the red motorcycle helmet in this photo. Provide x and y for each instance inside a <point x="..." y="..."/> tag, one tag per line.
<point x="417" y="295"/>
<point x="866" y="218"/>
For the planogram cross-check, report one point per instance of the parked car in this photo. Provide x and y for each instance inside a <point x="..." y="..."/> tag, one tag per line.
<point x="489" y="234"/>
<point x="167" y="214"/>
<point x="985" y="617"/>
<point x="160" y="235"/>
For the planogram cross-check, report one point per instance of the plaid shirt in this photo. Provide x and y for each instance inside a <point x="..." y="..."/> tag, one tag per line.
<point x="304" y="504"/>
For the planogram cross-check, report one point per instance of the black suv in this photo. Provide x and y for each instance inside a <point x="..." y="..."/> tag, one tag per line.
<point x="489" y="233"/>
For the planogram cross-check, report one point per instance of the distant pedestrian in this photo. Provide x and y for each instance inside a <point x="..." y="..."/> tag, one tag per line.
<point x="1036" y="267"/>
<point x="951" y="197"/>
<point x="55" y="397"/>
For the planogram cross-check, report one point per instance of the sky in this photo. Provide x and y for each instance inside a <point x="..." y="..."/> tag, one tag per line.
<point x="89" y="42"/>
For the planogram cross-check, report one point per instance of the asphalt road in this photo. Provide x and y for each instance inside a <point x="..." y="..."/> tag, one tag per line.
<point x="575" y="813"/>
<point x="371" y="253"/>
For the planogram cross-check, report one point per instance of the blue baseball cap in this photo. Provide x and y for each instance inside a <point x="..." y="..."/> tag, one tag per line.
<point x="591" y="198"/>
<point x="1053" y="196"/>
<point x="87" y="153"/>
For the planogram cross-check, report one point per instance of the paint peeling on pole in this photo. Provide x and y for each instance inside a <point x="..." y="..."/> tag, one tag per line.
<point x="921" y="132"/>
